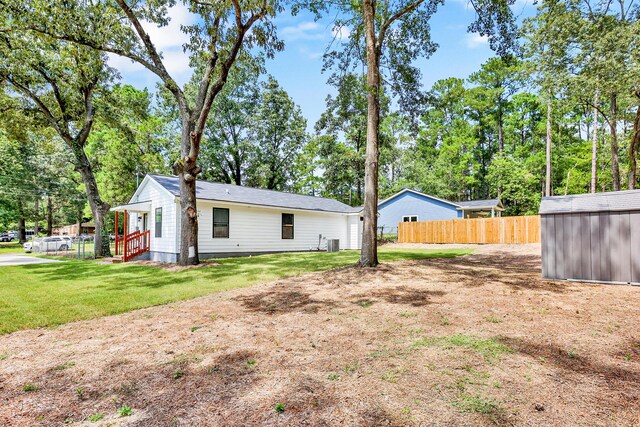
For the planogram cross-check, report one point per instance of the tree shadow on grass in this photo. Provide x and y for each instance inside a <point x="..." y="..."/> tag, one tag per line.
<point x="407" y="295"/>
<point x="283" y="301"/>
<point x="250" y="269"/>
<point x="569" y="362"/>
<point x="109" y="277"/>
<point x="521" y="272"/>
<point x="232" y="389"/>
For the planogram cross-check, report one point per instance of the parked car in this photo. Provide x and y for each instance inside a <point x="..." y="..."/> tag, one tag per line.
<point x="6" y="237"/>
<point x="48" y="244"/>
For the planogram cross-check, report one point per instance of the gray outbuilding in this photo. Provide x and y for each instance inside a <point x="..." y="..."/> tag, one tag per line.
<point x="592" y="237"/>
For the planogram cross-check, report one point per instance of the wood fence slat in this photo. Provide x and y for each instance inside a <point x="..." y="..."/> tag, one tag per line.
<point x="514" y="229"/>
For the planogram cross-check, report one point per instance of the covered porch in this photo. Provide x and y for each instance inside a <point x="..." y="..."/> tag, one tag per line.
<point x="135" y="239"/>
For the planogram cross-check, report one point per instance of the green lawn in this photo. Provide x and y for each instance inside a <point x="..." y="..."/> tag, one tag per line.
<point x="53" y="294"/>
<point x="10" y="247"/>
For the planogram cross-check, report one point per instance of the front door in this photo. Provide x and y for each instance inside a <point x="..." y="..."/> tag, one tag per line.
<point x="145" y="222"/>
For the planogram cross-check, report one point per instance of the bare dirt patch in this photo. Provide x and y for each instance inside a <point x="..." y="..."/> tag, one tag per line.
<point x="475" y="340"/>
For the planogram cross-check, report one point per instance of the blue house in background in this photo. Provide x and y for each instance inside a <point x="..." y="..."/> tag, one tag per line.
<point x="410" y="206"/>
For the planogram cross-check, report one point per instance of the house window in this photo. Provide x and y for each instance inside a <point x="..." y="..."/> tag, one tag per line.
<point x="158" y="222"/>
<point x="287" y="226"/>
<point x="410" y="218"/>
<point x="220" y="223"/>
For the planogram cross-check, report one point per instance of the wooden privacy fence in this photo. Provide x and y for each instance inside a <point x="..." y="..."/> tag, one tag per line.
<point x="508" y="229"/>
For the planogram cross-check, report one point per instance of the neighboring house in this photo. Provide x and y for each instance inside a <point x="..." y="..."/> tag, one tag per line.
<point x="235" y="220"/>
<point x="410" y="206"/>
<point x="75" y="230"/>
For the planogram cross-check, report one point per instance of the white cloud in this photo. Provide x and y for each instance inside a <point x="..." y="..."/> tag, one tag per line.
<point x="310" y="54"/>
<point x="170" y="36"/>
<point x="341" y="33"/>
<point x="307" y="30"/>
<point x="475" y="40"/>
<point x="168" y="40"/>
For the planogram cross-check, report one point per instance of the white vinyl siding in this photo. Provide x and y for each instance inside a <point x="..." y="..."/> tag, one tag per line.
<point x="159" y="198"/>
<point x="258" y="229"/>
<point x="355" y="232"/>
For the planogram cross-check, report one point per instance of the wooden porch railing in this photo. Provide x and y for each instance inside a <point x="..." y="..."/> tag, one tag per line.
<point x="132" y="245"/>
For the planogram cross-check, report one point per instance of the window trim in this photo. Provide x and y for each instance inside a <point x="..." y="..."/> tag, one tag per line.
<point x="213" y="223"/>
<point x="410" y="216"/>
<point x="283" y="225"/>
<point x="157" y="225"/>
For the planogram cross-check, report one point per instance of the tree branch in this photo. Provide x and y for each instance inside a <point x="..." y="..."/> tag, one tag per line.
<point x="56" y="93"/>
<point x="242" y="30"/>
<point x="383" y="30"/>
<point x="159" y="67"/>
<point x="42" y="106"/>
<point x="89" y="114"/>
<point x="205" y="83"/>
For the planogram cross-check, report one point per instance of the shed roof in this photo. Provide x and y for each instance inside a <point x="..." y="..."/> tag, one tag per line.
<point x="480" y="204"/>
<point x="206" y="190"/>
<point x="628" y="200"/>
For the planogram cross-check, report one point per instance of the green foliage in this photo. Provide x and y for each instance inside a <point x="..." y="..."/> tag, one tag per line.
<point x="477" y="404"/>
<point x="29" y="388"/>
<point x="279" y="408"/>
<point x="125" y="411"/>
<point x="489" y="348"/>
<point x="279" y="129"/>
<point x="129" y="140"/>
<point x="227" y="145"/>
<point x="94" y="418"/>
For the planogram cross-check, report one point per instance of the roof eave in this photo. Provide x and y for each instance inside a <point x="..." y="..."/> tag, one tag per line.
<point x="177" y="199"/>
<point x="479" y="208"/>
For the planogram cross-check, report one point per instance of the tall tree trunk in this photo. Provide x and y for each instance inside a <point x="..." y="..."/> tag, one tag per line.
<point x="613" y="123"/>
<point x="36" y="208"/>
<point x="49" y="216"/>
<point x="594" y="145"/>
<point x="187" y="173"/>
<point x="369" y="253"/>
<point x="99" y="208"/>
<point x="633" y="147"/>
<point x="237" y="178"/>
<point x="22" y="232"/>
<point x="547" y="184"/>
<point x="500" y="144"/>
<point x="500" y="133"/>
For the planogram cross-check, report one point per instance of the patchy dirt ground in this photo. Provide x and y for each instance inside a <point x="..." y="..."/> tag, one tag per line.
<point x="475" y="340"/>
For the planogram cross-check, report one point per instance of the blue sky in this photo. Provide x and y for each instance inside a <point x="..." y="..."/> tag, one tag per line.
<point x="298" y="67"/>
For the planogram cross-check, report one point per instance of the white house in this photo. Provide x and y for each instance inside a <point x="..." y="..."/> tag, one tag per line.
<point x="232" y="221"/>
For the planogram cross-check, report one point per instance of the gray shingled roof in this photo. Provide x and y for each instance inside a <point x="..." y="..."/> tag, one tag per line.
<point x="597" y="202"/>
<point x="206" y="190"/>
<point x="488" y="203"/>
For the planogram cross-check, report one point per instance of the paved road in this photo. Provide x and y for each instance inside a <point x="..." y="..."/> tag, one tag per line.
<point x="14" y="259"/>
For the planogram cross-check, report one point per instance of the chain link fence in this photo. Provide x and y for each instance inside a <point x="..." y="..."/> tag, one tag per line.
<point x="387" y="234"/>
<point x="75" y="247"/>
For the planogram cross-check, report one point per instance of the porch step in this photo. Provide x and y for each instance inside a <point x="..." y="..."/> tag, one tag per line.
<point x="116" y="259"/>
